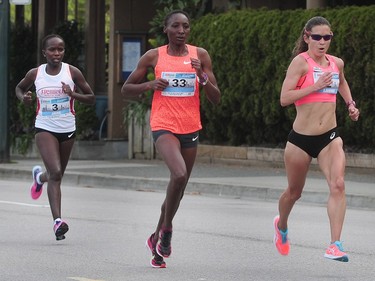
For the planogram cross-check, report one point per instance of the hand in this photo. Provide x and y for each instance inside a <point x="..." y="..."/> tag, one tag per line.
<point x="27" y="98"/>
<point x="197" y="65"/>
<point x="324" y="80"/>
<point x="159" y="84"/>
<point x="66" y="89"/>
<point x="353" y="112"/>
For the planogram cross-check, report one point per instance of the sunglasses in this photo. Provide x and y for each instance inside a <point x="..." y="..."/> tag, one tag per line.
<point x="318" y="37"/>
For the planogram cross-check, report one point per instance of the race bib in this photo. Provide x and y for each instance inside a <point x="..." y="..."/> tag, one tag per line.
<point x="54" y="106"/>
<point x="333" y="87"/>
<point x="181" y="84"/>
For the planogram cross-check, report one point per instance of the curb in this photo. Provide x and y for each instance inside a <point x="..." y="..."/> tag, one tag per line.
<point x="194" y="187"/>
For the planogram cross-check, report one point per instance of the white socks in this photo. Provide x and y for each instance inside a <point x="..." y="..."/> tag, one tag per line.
<point x="38" y="178"/>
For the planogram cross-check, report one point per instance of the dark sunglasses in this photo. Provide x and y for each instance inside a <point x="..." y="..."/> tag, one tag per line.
<point x="318" y="37"/>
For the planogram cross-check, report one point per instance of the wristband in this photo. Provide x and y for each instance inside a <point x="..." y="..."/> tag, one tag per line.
<point x="351" y="102"/>
<point x="205" y="79"/>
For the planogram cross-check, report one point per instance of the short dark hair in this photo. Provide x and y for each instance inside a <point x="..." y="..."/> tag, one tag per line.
<point x="171" y="13"/>
<point x="45" y="39"/>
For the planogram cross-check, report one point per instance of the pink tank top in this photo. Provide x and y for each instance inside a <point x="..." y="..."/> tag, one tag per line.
<point x="177" y="108"/>
<point x="327" y="94"/>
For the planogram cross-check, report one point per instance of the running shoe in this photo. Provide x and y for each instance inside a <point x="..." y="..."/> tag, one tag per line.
<point x="281" y="238"/>
<point x="163" y="247"/>
<point x="36" y="188"/>
<point x="156" y="260"/>
<point x="60" y="228"/>
<point x="335" y="251"/>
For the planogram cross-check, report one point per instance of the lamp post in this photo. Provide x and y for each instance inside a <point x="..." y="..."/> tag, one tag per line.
<point x="4" y="78"/>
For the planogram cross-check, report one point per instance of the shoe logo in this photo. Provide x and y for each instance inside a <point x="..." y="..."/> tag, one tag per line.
<point x="331" y="250"/>
<point x="187" y="62"/>
<point x="194" y="139"/>
<point x="332" y="135"/>
<point x="70" y="135"/>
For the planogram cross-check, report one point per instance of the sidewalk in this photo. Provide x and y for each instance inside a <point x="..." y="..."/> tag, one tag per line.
<point x="260" y="183"/>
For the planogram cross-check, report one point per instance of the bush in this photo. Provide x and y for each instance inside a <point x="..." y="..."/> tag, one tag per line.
<point x="21" y="60"/>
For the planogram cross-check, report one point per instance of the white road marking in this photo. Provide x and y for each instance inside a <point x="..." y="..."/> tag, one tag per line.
<point x="83" y="279"/>
<point x="24" y="204"/>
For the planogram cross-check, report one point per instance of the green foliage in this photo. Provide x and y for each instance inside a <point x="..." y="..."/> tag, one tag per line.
<point x="22" y="140"/>
<point x="86" y="119"/>
<point x="22" y="57"/>
<point x="250" y="52"/>
<point x="195" y="9"/>
<point x="354" y="40"/>
<point x="73" y="37"/>
<point x="76" y="10"/>
<point x="136" y="109"/>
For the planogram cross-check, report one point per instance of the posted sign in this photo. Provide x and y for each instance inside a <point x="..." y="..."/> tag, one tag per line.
<point x="20" y="2"/>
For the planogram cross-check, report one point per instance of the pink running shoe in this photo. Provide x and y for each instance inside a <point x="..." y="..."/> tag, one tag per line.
<point x="60" y="228"/>
<point x="163" y="247"/>
<point x="336" y="252"/>
<point x="156" y="260"/>
<point x="281" y="238"/>
<point x="36" y="188"/>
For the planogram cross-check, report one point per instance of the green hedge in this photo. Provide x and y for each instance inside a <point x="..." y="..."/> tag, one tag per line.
<point x="251" y="50"/>
<point x="22" y="57"/>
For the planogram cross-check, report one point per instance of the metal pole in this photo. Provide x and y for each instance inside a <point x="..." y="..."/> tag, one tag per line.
<point x="4" y="78"/>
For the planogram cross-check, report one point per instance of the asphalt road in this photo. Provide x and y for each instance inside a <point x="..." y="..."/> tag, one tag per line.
<point x="214" y="239"/>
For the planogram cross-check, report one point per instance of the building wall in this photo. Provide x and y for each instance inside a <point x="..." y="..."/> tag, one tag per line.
<point x="95" y="67"/>
<point x="127" y="17"/>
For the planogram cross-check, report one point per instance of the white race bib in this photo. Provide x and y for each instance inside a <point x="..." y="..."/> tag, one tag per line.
<point x="333" y="87"/>
<point x="54" y="106"/>
<point x="181" y="84"/>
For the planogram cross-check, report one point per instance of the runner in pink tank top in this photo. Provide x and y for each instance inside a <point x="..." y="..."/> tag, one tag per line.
<point x="327" y="94"/>
<point x="312" y="82"/>
<point x="180" y="71"/>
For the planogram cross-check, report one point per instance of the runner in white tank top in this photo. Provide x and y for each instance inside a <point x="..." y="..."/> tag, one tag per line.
<point x="55" y="84"/>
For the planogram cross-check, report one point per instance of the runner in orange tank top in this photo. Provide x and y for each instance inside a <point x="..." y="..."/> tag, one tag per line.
<point x="180" y="71"/>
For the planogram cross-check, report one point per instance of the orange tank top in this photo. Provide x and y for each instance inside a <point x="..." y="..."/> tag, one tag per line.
<point x="177" y="108"/>
<point x="327" y="94"/>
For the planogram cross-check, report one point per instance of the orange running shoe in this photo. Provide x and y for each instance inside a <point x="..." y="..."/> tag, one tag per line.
<point x="336" y="252"/>
<point x="281" y="238"/>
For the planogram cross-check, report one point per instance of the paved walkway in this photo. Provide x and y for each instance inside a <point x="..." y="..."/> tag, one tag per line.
<point x="209" y="179"/>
